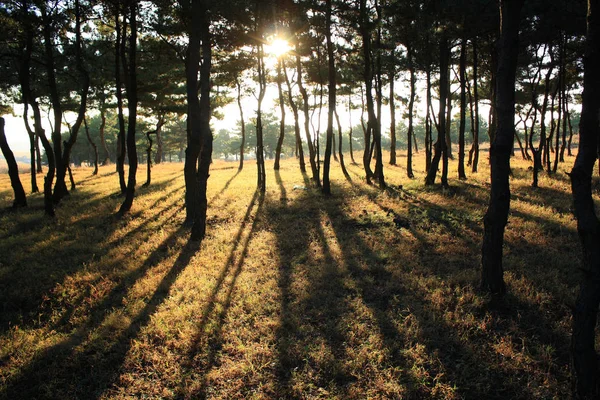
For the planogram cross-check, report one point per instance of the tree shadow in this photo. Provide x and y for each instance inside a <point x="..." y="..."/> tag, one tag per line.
<point x="202" y="356"/>
<point x="86" y="361"/>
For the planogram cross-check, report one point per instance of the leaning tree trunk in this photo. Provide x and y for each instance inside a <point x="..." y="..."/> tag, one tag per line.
<point x="13" y="170"/>
<point x="496" y="217"/>
<point x="340" y="146"/>
<point x="585" y="312"/>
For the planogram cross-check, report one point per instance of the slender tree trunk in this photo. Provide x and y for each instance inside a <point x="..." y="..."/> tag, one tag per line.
<point x="243" y="124"/>
<point x="106" y="157"/>
<point x="282" y="121"/>
<point x="260" y="153"/>
<point x="340" y="150"/>
<point x="294" y="107"/>
<point x="120" y="52"/>
<point x="463" y="110"/>
<point x="149" y="159"/>
<point x="132" y="101"/>
<point x="32" y="147"/>
<point x="428" y="135"/>
<point x="475" y="163"/>
<point x="326" y="189"/>
<point x="373" y="122"/>
<point x="392" y="119"/>
<point x="91" y="142"/>
<point x="305" y="107"/>
<point x="350" y="131"/>
<point x="13" y="170"/>
<point x="411" y="104"/>
<point x="496" y="217"/>
<point x="440" y="144"/>
<point x="585" y="312"/>
<point x="158" y="157"/>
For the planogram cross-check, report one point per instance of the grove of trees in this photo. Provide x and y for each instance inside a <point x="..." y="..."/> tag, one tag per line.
<point x="124" y="70"/>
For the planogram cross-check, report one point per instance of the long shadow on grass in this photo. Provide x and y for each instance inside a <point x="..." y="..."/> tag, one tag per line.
<point x="86" y="362"/>
<point x="310" y="338"/>
<point x="224" y="188"/>
<point x="27" y="301"/>
<point x="512" y="318"/>
<point x="202" y="356"/>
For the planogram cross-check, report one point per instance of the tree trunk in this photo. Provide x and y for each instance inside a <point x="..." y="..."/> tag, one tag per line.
<point x="282" y="121"/>
<point x="585" y="358"/>
<point x="463" y="110"/>
<point x="120" y="52"/>
<point x="411" y="104"/>
<point x="158" y="157"/>
<point x="372" y="122"/>
<point x="326" y="189"/>
<point x="305" y="107"/>
<point x="496" y="217"/>
<point x="440" y="144"/>
<point x="63" y="159"/>
<point x="392" y="120"/>
<point x="294" y="107"/>
<point x="260" y="153"/>
<point x="243" y="124"/>
<point x="342" y="164"/>
<point x="89" y="138"/>
<point x="32" y="148"/>
<point x="132" y="101"/>
<point x="149" y="159"/>
<point x="475" y="163"/>
<point x="106" y="157"/>
<point x="13" y="170"/>
<point x="350" y="132"/>
<point x="428" y="135"/>
<point x="199" y="140"/>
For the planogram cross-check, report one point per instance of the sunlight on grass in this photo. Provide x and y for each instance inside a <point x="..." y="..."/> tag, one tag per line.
<point x="363" y="294"/>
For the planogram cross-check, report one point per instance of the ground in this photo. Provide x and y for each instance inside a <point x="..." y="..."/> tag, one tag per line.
<point x="362" y="294"/>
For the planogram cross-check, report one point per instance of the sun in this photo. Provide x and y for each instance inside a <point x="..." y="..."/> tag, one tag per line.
<point x="277" y="47"/>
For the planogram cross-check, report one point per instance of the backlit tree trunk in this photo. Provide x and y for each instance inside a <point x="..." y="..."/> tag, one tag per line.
<point x="585" y="312"/>
<point x="13" y="170"/>
<point x="496" y="217"/>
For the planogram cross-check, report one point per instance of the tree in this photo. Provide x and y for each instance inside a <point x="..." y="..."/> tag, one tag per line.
<point x="496" y="217"/>
<point x="585" y="359"/>
<point x="13" y="170"/>
<point x="331" y="104"/>
<point x="198" y="154"/>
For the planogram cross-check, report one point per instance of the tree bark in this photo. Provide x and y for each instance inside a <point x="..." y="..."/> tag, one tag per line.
<point x="198" y="153"/>
<point x="282" y="111"/>
<point x="91" y="142"/>
<point x="13" y="170"/>
<point x="440" y="144"/>
<point x="132" y="101"/>
<point x="411" y="105"/>
<point x="496" y="217"/>
<point x="392" y="119"/>
<point x="463" y="109"/>
<point x="326" y="189"/>
<point x="243" y="124"/>
<point x="120" y="52"/>
<point x="585" y="358"/>
<point x="294" y="107"/>
<point x="32" y="148"/>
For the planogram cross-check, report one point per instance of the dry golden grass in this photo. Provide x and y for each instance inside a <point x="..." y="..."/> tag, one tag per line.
<point x="363" y="294"/>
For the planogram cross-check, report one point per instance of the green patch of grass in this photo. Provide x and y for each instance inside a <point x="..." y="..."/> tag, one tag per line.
<point x="361" y="294"/>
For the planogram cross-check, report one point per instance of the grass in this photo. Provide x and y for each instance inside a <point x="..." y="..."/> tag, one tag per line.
<point x="363" y="294"/>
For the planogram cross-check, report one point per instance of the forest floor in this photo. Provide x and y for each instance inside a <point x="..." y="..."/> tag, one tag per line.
<point x="362" y="294"/>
